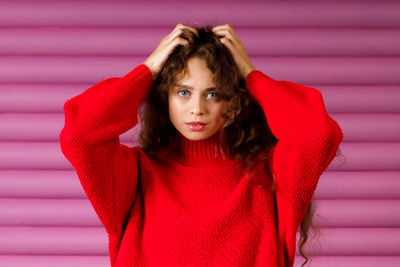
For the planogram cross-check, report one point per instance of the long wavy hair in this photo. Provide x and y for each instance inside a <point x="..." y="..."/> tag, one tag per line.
<point x="246" y="134"/>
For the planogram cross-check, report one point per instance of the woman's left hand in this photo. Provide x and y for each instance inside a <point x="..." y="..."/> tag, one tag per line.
<point x="235" y="45"/>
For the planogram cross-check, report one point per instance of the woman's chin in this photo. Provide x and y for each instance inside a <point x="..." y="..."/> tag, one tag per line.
<point x="196" y="136"/>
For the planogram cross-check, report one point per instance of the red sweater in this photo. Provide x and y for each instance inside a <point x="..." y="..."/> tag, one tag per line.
<point x="185" y="205"/>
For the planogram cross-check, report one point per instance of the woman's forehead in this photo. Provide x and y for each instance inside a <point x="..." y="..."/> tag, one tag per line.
<point x="188" y="81"/>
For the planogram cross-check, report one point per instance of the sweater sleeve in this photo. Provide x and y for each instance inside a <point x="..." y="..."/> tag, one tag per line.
<point x="94" y="119"/>
<point x="308" y="140"/>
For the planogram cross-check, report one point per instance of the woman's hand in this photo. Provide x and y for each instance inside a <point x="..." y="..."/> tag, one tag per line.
<point x="156" y="60"/>
<point x="235" y="45"/>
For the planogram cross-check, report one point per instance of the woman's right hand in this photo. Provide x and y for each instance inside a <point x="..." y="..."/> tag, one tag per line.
<point x="156" y="60"/>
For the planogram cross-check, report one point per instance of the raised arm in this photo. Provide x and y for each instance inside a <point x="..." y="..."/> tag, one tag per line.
<point x="94" y="119"/>
<point x="308" y="139"/>
<point x="107" y="170"/>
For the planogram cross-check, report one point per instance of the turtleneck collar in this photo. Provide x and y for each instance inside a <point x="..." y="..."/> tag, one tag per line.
<point x="199" y="152"/>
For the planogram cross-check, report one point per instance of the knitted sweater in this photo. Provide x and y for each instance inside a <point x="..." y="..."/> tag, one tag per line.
<point x="186" y="205"/>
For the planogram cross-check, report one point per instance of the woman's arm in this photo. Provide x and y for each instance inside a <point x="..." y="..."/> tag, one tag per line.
<point x="107" y="170"/>
<point x="308" y="139"/>
<point x="94" y="119"/>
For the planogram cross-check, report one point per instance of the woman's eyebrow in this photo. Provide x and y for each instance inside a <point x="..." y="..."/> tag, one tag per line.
<point x="191" y="88"/>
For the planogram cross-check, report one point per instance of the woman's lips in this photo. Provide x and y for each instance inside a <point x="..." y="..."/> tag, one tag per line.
<point x="196" y="126"/>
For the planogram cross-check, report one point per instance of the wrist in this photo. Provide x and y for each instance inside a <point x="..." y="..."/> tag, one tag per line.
<point x="248" y="72"/>
<point x="148" y="65"/>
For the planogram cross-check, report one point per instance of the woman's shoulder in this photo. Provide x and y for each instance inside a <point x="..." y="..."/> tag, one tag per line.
<point x="139" y="151"/>
<point x="148" y="156"/>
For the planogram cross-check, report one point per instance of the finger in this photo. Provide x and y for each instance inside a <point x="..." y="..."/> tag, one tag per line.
<point x="193" y="30"/>
<point x="227" y="43"/>
<point x="227" y="35"/>
<point x="176" y="33"/>
<point x="182" y="26"/>
<point x="223" y="27"/>
<point x="224" y="32"/>
<point x="181" y="41"/>
<point x="227" y="28"/>
<point x="217" y="27"/>
<point x="172" y="35"/>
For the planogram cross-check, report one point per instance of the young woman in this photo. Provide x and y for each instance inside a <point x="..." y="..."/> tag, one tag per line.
<point x="228" y="163"/>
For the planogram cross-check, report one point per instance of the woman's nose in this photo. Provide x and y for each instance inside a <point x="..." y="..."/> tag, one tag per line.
<point x="197" y="106"/>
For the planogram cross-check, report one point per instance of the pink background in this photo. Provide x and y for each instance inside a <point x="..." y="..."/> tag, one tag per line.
<point x="54" y="50"/>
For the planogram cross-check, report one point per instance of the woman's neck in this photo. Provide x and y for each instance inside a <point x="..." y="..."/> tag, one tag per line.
<point x="210" y="150"/>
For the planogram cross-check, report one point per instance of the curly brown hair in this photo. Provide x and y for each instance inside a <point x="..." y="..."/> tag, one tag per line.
<point x="246" y="133"/>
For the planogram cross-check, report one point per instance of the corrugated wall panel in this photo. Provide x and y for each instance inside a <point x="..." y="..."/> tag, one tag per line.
<point x="253" y="13"/>
<point x="91" y="241"/>
<point x="73" y="212"/>
<point x="306" y="70"/>
<point x="51" y="51"/>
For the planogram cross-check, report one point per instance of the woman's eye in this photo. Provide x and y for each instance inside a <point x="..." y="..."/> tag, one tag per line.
<point x="183" y="93"/>
<point x="212" y="95"/>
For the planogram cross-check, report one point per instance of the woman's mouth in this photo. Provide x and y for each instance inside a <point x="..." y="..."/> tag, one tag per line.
<point x="196" y="125"/>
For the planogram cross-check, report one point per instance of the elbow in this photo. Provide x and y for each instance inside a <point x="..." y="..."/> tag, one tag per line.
<point x="336" y="132"/>
<point x="332" y="137"/>
<point x="330" y="128"/>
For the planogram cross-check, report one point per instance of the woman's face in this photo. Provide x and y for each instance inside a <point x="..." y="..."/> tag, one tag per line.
<point x="194" y="106"/>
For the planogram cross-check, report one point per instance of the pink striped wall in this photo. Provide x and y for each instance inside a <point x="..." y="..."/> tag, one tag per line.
<point x="53" y="50"/>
